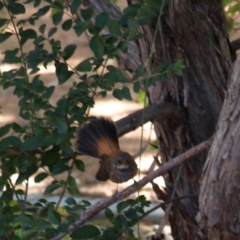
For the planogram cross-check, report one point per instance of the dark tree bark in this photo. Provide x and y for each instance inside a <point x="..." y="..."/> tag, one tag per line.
<point x="196" y="32"/>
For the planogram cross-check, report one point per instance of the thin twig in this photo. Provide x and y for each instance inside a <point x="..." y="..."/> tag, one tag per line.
<point x="17" y="197"/>
<point x="167" y="202"/>
<point x="66" y="183"/>
<point x="25" y="196"/>
<point x="98" y="207"/>
<point x="167" y="211"/>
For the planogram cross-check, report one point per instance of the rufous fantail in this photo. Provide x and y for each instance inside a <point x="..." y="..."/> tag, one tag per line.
<point x="98" y="138"/>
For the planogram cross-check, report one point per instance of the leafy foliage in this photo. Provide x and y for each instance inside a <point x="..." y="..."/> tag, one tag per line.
<point x="232" y="10"/>
<point x="129" y="213"/>
<point x="43" y="146"/>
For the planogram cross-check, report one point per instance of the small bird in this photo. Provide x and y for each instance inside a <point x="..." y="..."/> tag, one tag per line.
<point x="98" y="138"/>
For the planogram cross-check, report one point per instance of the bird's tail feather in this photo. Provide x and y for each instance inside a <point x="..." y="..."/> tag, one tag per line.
<point x="97" y="138"/>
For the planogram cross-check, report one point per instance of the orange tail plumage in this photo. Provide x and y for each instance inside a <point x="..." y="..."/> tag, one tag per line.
<point x="97" y="138"/>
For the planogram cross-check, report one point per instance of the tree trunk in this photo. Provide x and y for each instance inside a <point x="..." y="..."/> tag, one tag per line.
<point x="219" y="196"/>
<point x="196" y="32"/>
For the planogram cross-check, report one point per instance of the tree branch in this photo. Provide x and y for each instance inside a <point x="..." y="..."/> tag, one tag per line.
<point x="157" y="112"/>
<point x="98" y="207"/>
<point x="236" y="44"/>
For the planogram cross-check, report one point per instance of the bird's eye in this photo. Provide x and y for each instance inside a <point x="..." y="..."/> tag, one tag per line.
<point x="119" y="161"/>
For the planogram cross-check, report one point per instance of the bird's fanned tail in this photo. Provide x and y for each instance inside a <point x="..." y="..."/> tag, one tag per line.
<point x="97" y="138"/>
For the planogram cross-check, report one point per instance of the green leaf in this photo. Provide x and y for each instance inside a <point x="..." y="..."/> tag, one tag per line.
<point x="40" y="177"/>
<point x="57" y="17"/>
<point x="72" y="186"/>
<point x="114" y="75"/>
<point x="16" y="8"/>
<point x="123" y="46"/>
<point x="121" y="220"/>
<point x="126" y="93"/>
<point x="59" y="123"/>
<point x="161" y="67"/>
<point x="10" y="56"/>
<point x="84" y="66"/>
<point x="109" y="214"/>
<point x="36" y="3"/>
<point x="71" y="201"/>
<point x="40" y="225"/>
<point x="114" y="28"/>
<point x="101" y="20"/>
<point x="136" y="87"/>
<point x="5" y="36"/>
<point x="59" y="168"/>
<point x="86" y="203"/>
<point x="80" y="165"/>
<point x="97" y="46"/>
<point x="52" y="31"/>
<point x="54" y="217"/>
<point x="30" y="144"/>
<point x="87" y="13"/>
<point x="86" y="232"/>
<point x="23" y="220"/>
<point x="131" y="213"/>
<point x="48" y="93"/>
<point x="42" y="28"/>
<point x="10" y="141"/>
<point x="62" y="72"/>
<point x="141" y="96"/>
<point x="37" y="84"/>
<point x="132" y="23"/>
<point x="5" y="129"/>
<point x="117" y="93"/>
<point x="67" y="25"/>
<point x="55" y="185"/>
<point x="122" y="205"/>
<point x="80" y="27"/>
<point x="3" y="21"/>
<point x="75" y="6"/>
<point x="131" y="10"/>
<point x="135" y="36"/>
<point x="69" y="51"/>
<point x="42" y="11"/>
<point x="28" y="34"/>
<point x="17" y="128"/>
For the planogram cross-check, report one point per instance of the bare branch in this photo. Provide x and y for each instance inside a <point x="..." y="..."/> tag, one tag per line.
<point x="157" y="112"/>
<point x="98" y="207"/>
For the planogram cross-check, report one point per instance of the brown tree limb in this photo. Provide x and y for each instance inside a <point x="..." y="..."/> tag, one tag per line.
<point x="236" y="44"/>
<point x="98" y="207"/>
<point x="156" y="112"/>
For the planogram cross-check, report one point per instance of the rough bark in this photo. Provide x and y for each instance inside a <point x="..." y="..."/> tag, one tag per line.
<point x="194" y="31"/>
<point x="219" y="196"/>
